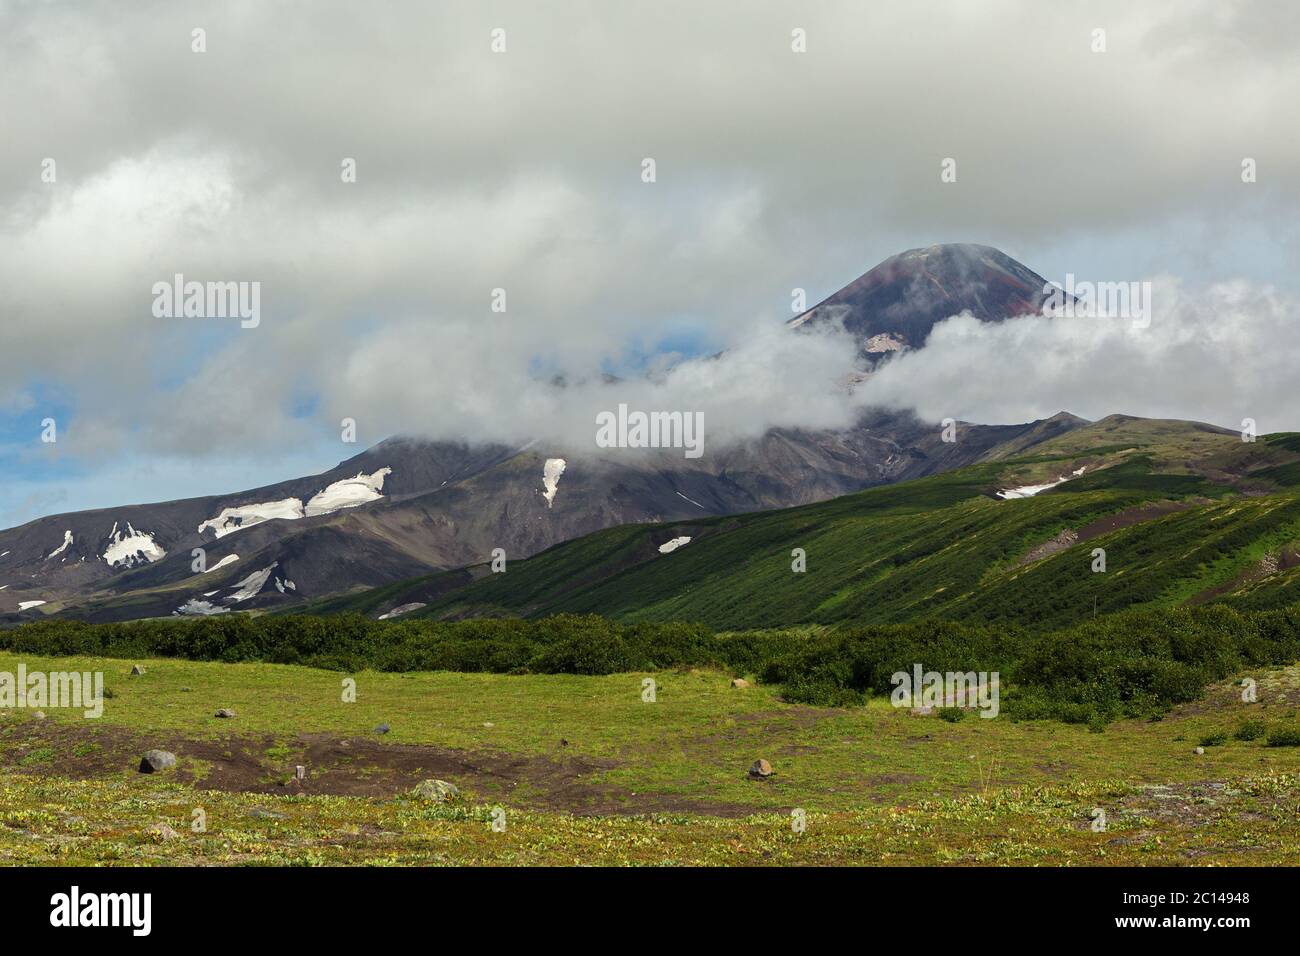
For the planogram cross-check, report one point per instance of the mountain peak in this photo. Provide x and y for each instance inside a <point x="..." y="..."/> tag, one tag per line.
<point x="904" y="297"/>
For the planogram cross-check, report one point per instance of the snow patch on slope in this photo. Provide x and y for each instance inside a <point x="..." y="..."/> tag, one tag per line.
<point x="67" y="542"/>
<point x="402" y="609"/>
<point x="251" y="586"/>
<point x="131" y="547"/>
<point x="228" y="559"/>
<point x="27" y="605"/>
<point x="1028" y="491"/>
<point x="551" y="478"/>
<point x="202" y="608"/>
<point x="670" y="546"/>
<point x="245" y="516"/>
<point x="348" y="493"/>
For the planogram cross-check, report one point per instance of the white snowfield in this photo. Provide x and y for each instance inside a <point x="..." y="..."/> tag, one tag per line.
<point x="131" y="547"/>
<point x="670" y="546"/>
<point x="67" y="542"/>
<point x="228" y="559"/>
<point x="1028" y="491"/>
<point x="245" y="516"/>
<point x="551" y="472"/>
<point x="197" y="607"/>
<point x="251" y="586"/>
<point x="26" y="605"/>
<point x="246" y="588"/>
<point x="347" y="493"/>
<point x="402" y="609"/>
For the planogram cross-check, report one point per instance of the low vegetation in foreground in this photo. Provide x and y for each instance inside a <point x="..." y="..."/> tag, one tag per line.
<point x="569" y="768"/>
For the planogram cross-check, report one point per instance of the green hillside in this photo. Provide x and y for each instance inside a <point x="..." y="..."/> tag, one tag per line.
<point x="1186" y="514"/>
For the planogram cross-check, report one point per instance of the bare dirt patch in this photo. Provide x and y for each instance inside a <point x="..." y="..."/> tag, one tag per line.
<point x="352" y="766"/>
<point x="1068" y="537"/>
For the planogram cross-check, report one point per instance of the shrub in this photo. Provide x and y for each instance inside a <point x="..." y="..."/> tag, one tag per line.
<point x="1251" y="730"/>
<point x="952" y="714"/>
<point x="1217" y="739"/>
<point x="1284" y="737"/>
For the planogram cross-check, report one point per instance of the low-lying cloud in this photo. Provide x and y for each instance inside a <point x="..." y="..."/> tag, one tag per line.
<point x="1218" y="354"/>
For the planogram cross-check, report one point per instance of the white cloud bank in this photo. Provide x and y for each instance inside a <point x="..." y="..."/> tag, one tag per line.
<point x="1216" y="354"/>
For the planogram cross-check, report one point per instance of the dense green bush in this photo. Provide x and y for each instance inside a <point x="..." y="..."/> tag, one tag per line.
<point x="1284" y="737"/>
<point x="1130" y="664"/>
<point x="1251" y="730"/>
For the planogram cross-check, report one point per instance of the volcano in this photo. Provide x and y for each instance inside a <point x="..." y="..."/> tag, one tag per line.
<point x="897" y="303"/>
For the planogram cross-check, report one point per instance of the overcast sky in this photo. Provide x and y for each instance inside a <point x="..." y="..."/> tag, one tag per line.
<point x="522" y="170"/>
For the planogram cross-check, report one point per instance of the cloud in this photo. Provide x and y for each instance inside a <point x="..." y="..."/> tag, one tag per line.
<point x="521" y="171"/>
<point x="1217" y="354"/>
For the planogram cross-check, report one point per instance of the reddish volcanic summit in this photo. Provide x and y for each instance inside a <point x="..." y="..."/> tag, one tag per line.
<point x="899" y="301"/>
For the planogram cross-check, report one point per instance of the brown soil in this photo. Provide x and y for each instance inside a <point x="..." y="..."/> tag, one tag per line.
<point x="1121" y="519"/>
<point x="356" y="767"/>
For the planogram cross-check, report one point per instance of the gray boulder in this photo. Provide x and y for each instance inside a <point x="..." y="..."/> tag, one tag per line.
<point x="439" y="791"/>
<point x="155" y="760"/>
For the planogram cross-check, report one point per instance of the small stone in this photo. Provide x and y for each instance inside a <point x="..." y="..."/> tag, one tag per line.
<point x="383" y="729"/>
<point x="137" y="671"/>
<point x="224" y="712"/>
<point x="439" y="791"/>
<point x="488" y="723"/>
<point x="38" y="715"/>
<point x="760" y="769"/>
<point x="1200" y="751"/>
<point x="163" y="831"/>
<point x="739" y="682"/>
<point x="260" y="814"/>
<point x="155" y="760"/>
<point x="922" y="711"/>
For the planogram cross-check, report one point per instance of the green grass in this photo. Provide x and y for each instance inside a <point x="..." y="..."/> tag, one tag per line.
<point x="878" y="784"/>
<point x="936" y="548"/>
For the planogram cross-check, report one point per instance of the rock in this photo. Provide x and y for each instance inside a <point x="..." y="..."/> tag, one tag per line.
<point x="922" y="711"/>
<point x="760" y="769"/>
<point x="137" y="671"/>
<point x="223" y="712"/>
<point x="488" y="723"/>
<point x="163" y="831"/>
<point x="155" y="760"/>
<point x="740" y="682"/>
<point x="1199" y="751"/>
<point x="38" y="715"/>
<point x="439" y="791"/>
<point x="260" y="814"/>
<point x="383" y="729"/>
